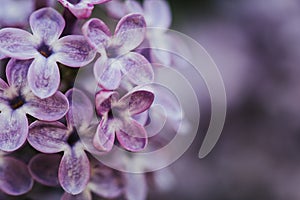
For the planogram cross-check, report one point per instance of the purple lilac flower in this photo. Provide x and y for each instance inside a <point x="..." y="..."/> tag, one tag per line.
<point x="46" y="49"/>
<point x="81" y="8"/>
<point x="15" y="178"/>
<point x="116" y="57"/>
<point x="54" y="137"/>
<point x="157" y="15"/>
<point x="117" y="120"/>
<point x="17" y="100"/>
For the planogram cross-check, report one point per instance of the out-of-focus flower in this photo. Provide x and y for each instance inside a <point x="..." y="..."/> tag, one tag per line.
<point x="46" y="49"/>
<point x="54" y="137"/>
<point x="17" y="100"/>
<point x="15" y="178"/>
<point x="81" y="8"/>
<point x="158" y="17"/>
<point x="117" y="120"/>
<point x="116" y="56"/>
<point x="15" y="12"/>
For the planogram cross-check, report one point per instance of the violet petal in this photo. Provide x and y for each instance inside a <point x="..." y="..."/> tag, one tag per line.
<point x="47" y="24"/>
<point x="135" y="186"/>
<point x="14" y="130"/>
<point x="74" y="170"/>
<point x="73" y="51"/>
<point x="132" y="136"/>
<point x="3" y="84"/>
<point x="16" y="72"/>
<point x="85" y="195"/>
<point x="43" y="77"/>
<point x="15" y="178"/>
<point x="47" y="137"/>
<point x="105" y="135"/>
<point x="48" y="109"/>
<point x="104" y="99"/>
<point x="130" y="32"/>
<point x="17" y="43"/>
<point x="157" y="13"/>
<point x="137" y="68"/>
<point x="44" y="168"/>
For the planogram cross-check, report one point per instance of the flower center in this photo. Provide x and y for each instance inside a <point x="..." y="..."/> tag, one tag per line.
<point x="17" y="102"/>
<point x="45" y="50"/>
<point x="74" y="1"/>
<point x="73" y="138"/>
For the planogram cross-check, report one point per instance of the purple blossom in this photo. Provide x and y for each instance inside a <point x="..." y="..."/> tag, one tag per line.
<point x="54" y="137"/>
<point x="46" y="49"/>
<point x="81" y="8"/>
<point x="116" y="57"/>
<point x="117" y="120"/>
<point x="17" y="100"/>
<point x="15" y="178"/>
<point x="158" y="17"/>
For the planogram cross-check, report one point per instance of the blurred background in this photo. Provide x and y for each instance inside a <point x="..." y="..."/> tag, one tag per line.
<point x="256" y="46"/>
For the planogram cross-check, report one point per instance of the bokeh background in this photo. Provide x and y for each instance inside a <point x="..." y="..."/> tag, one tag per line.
<point x="256" y="46"/>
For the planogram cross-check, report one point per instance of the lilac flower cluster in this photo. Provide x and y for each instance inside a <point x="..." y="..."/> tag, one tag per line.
<point x="41" y="110"/>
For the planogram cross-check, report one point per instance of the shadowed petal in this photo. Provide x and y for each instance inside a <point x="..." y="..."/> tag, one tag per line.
<point x="138" y="101"/>
<point x="74" y="170"/>
<point x="74" y="51"/>
<point x="13" y="130"/>
<point x="96" y="32"/>
<point x="137" y="68"/>
<point x="15" y="178"/>
<point x="43" y="77"/>
<point x="81" y="109"/>
<point x="85" y="195"/>
<point x="17" y="43"/>
<point x="132" y="136"/>
<point x="105" y="135"/>
<point x="47" y="137"/>
<point x="48" y="109"/>
<point x="44" y="168"/>
<point x="135" y="186"/>
<point x="47" y="24"/>
<point x="157" y="13"/>
<point x="3" y="84"/>
<point x="130" y="32"/>
<point x="106" y="183"/>
<point x="104" y="99"/>
<point x="16" y="72"/>
<point x="116" y="9"/>
<point x="107" y="75"/>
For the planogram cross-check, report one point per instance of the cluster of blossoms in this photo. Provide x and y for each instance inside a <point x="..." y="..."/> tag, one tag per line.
<point x="61" y="130"/>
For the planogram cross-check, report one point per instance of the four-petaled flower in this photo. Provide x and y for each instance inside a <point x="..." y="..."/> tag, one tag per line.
<point x="17" y="100"/>
<point x="81" y="8"/>
<point x="46" y="49"/>
<point x="117" y="120"/>
<point x="54" y="137"/>
<point x="116" y="56"/>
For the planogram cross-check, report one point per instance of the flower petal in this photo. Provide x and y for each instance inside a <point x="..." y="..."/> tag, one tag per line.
<point x="137" y="68"/>
<point x="106" y="183"/>
<point x="134" y="7"/>
<point x="47" y="24"/>
<point x="47" y="137"/>
<point x="116" y="9"/>
<point x="48" y="109"/>
<point x="132" y="136"/>
<point x="74" y="51"/>
<point x="43" y="77"/>
<point x="135" y="186"/>
<point x="96" y="32"/>
<point x="104" y="99"/>
<point x="2" y="56"/>
<point x="130" y="32"/>
<point x="157" y="13"/>
<point x="17" y="43"/>
<point x="13" y="130"/>
<point x="15" y="178"/>
<point x="81" y="109"/>
<point x="105" y="135"/>
<point x="81" y="10"/>
<point x="107" y="75"/>
<point x="3" y="84"/>
<point x="97" y="1"/>
<point x="44" y="168"/>
<point x="74" y="170"/>
<point x="16" y="72"/>
<point x="137" y="101"/>
<point x="85" y="195"/>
